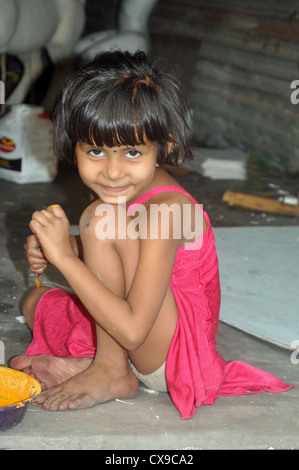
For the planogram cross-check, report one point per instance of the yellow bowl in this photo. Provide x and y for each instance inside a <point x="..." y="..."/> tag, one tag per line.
<point x="17" y="390"/>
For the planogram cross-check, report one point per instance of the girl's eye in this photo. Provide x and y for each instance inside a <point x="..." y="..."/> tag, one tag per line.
<point x="96" y="152"/>
<point x="132" y="153"/>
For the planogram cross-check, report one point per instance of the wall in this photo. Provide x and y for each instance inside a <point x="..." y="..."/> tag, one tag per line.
<point x="239" y="59"/>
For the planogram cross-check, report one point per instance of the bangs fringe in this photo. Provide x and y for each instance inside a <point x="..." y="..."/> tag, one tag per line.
<point x="127" y="115"/>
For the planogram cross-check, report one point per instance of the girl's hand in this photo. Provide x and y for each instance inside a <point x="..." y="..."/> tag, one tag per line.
<point x="52" y="229"/>
<point x="36" y="258"/>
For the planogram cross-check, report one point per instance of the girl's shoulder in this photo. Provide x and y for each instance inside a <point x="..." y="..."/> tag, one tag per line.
<point x="171" y="201"/>
<point x="165" y="189"/>
<point x="87" y="215"/>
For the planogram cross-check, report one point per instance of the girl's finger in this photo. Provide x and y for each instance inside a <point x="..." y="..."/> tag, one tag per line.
<point x="37" y="270"/>
<point x="32" y="260"/>
<point x="35" y="265"/>
<point x="38" y="217"/>
<point x="46" y="213"/>
<point x="56" y="210"/>
<point x="34" y="224"/>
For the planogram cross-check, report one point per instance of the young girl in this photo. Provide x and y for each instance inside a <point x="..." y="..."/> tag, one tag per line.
<point x="144" y="269"/>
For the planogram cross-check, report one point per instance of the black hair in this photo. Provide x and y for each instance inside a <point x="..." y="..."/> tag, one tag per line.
<point x="119" y="99"/>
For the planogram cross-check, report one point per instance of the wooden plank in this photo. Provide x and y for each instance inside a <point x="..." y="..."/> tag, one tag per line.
<point x="258" y="203"/>
<point x="257" y="24"/>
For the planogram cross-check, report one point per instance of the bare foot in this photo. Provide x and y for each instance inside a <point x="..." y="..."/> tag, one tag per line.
<point x="97" y="384"/>
<point x="49" y="370"/>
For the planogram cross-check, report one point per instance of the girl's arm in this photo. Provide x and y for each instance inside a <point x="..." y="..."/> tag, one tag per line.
<point x="77" y="245"/>
<point x="36" y="257"/>
<point x="129" y="320"/>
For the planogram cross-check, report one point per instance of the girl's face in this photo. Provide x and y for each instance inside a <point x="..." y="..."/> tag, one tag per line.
<point x="113" y="172"/>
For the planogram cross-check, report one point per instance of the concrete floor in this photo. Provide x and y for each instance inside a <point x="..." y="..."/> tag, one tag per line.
<point x="149" y="421"/>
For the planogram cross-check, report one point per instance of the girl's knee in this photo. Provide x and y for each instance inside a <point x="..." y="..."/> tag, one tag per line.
<point x="30" y="304"/>
<point x="105" y="222"/>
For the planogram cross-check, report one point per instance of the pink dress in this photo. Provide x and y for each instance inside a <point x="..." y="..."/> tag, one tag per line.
<point x="195" y="373"/>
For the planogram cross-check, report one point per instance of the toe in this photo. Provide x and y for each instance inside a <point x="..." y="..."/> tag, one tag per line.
<point x="20" y="362"/>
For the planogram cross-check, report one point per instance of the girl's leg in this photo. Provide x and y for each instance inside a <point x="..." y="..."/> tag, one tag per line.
<point x="48" y="370"/>
<point x="109" y="375"/>
<point x="30" y="304"/>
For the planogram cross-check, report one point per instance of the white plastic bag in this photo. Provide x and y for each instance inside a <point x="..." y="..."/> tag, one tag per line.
<point x="26" y="154"/>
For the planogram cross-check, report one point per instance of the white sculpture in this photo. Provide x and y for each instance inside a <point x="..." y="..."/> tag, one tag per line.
<point x="132" y="33"/>
<point x="27" y="26"/>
